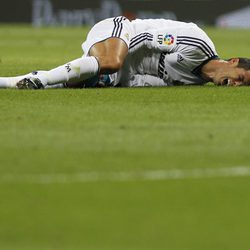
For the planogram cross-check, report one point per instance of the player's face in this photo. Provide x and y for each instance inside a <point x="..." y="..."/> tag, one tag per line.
<point x="231" y="75"/>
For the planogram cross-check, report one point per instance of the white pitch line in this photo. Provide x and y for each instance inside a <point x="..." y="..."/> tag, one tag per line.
<point x="146" y="175"/>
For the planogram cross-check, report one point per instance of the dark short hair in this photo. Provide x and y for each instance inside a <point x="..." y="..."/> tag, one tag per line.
<point x="244" y="63"/>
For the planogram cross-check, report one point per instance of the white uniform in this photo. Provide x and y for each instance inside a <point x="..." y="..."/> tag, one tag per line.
<point x="119" y="27"/>
<point x="173" y="51"/>
<point x="163" y="52"/>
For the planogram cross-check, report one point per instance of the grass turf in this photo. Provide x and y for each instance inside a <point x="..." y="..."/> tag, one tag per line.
<point x="109" y="130"/>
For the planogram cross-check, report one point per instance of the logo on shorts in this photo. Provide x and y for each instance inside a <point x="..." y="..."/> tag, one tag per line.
<point x="168" y="39"/>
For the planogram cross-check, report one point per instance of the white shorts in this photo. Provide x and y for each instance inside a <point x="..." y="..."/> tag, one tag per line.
<point x="119" y="27"/>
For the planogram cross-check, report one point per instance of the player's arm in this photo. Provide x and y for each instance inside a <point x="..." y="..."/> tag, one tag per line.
<point x="146" y="81"/>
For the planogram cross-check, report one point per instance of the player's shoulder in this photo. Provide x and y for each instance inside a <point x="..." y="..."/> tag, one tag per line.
<point x="174" y="26"/>
<point x="193" y="31"/>
<point x="194" y="38"/>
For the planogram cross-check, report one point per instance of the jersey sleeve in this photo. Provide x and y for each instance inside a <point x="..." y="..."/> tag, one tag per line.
<point x="164" y="41"/>
<point x="158" y="40"/>
<point x="183" y="67"/>
<point x="193" y="54"/>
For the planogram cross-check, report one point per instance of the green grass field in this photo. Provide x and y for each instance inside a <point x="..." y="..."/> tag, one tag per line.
<point x="79" y="169"/>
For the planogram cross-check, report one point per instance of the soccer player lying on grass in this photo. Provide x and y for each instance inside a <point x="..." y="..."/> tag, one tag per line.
<point x="154" y="52"/>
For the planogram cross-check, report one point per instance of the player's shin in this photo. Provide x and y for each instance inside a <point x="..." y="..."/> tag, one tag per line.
<point x="74" y="71"/>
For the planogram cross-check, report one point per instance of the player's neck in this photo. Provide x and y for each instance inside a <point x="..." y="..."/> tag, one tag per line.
<point x="210" y="69"/>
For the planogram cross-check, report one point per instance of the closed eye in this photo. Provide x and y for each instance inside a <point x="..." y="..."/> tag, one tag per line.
<point x="225" y="82"/>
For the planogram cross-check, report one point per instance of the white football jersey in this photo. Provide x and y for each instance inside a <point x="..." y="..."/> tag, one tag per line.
<point x="170" y="50"/>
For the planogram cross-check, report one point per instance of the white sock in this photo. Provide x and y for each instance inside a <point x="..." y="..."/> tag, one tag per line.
<point x="10" y="82"/>
<point x="74" y="71"/>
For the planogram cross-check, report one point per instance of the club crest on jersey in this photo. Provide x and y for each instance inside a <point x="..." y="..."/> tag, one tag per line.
<point x="166" y="39"/>
<point x="127" y="36"/>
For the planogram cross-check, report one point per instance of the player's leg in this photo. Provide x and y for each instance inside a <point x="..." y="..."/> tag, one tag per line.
<point x="105" y="48"/>
<point x="74" y="71"/>
<point x="106" y="57"/>
<point x="110" y="54"/>
<point x="11" y="82"/>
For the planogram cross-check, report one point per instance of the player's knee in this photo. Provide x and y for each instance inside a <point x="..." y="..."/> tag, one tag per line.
<point x="115" y="65"/>
<point x="112" y="65"/>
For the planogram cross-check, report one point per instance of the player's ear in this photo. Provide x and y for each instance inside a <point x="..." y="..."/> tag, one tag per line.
<point x="234" y="61"/>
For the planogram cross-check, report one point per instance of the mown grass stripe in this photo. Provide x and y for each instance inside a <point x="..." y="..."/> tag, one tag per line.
<point x="147" y="175"/>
